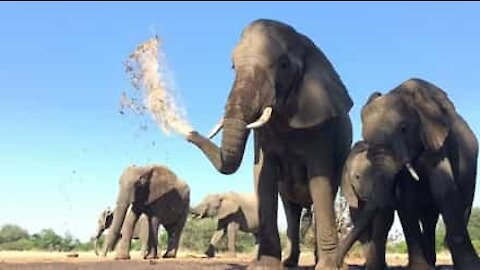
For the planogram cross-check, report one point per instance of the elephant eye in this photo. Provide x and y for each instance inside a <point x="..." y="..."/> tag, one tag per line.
<point x="357" y="176"/>
<point x="403" y="128"/>
<point x="284" y="62"/>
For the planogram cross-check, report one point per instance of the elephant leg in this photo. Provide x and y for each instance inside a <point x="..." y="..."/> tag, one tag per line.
<point x="381" y="224"/>
<point x="413" y="236"/>
<point x="174" y="235"/>
<point x="123" y="251"/>
<point x="144" y="240"/>
<point x="451" y="204"/>
<point x="429" y="223"/>
<point x="216" y="237"/>
<point x="232" y="230"/>
<point x="366" y="237"/>
<point x="292" y="213"/>
<point x="153" y="238"/>
<point x="257" y="257"/>
<point x="267" y="193"/>
<point x="322" y="193"/>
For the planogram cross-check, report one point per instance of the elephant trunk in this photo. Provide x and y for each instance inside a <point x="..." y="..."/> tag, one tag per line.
<point x="249" y="95"/>
<point x="118" y="217"/>
<point x="228" y="157"/>
<point x="364" y="220"/>
<point x="97" y="236"/>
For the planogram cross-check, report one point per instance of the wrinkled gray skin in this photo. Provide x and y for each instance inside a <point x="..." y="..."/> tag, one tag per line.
<point x="159" y="194"/>
<point x="300" y="151"/>
<point x="234" y="211"/>
<point x="411" y="198"/>
<point x="140" y="231"/>
<point x="417" y="124"/>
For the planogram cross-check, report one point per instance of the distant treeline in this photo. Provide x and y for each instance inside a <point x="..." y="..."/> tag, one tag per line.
<point x="196" y="237"/>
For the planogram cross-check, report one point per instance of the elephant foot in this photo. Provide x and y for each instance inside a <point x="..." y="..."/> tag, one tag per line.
<point x="122" y="256"/>
<point x="170" y="254"/>
<point x="210" y="251"/>
<point x="291" y="261"/>
<point x="231" y="254"/>
<point x="419" y="266"/>
<point x="266" y="263"/>
<point x="469" y="265"/>
<point x="151" y="257"/>
<point x="328" y="262"/>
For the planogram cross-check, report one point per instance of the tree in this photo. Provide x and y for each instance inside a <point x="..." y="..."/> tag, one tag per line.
<point x="47" y="239"/>
<point x="12" y="233"/>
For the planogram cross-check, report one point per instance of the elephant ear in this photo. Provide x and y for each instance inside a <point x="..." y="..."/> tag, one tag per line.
<point x="347" y="188"/>
<point x="321" y="94"/>
<point x="434" y="110"/>
<point x="228" y="206"/>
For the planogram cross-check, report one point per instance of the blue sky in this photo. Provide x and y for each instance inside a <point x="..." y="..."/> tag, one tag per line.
<point x="63" y="143"/>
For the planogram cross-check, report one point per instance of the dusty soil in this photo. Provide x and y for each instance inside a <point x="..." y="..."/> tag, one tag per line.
<point x="88" y="261"/>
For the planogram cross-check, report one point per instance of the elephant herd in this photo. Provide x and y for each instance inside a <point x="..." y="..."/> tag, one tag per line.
<point x="417" y="156"/>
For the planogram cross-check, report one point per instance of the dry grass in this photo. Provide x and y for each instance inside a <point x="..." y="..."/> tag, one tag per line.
<point x="307" y="258"/>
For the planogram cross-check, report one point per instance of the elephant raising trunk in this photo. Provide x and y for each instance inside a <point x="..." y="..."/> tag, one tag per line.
<point x="240" y="116"/>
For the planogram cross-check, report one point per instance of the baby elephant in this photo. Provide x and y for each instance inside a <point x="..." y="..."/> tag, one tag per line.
<point x="140" y="231"/>
<point x="158" y="193"/>
<point x="234" y="211"/>
<point x="360" y="186"/>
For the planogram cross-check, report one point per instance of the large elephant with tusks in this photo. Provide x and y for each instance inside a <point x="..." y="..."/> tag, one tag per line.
<point x="288" y="92"/>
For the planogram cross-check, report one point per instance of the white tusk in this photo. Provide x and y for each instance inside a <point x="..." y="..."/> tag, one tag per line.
<point x="216" y="129"/>
<point x="412" y="171"/>
<point x="267" y="113"/>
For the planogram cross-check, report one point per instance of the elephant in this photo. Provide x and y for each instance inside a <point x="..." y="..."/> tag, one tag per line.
<point x="289" y="93"/>
<point x="234" y="211"/>
<point x="411" y="198"/>
<point x="140" y="231"/>
<point x="157" y="192"/>
<point x="415" y="128"/>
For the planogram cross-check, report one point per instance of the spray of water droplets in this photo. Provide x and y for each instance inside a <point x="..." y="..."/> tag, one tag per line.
<point x="149" y="74"/>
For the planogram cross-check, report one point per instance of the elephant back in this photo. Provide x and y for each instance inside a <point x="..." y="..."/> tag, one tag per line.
<point x="249" y="206"/>
<point x="169" y="196"/>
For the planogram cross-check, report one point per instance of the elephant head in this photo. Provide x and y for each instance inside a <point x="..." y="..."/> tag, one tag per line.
<point x="281" y="79"/>
<point x="413" y="118"/>
<point x="134" y="190"/>
<point x="103" y="223"/>
<point x="216" y="206"/>
<point x="357" y="176"/>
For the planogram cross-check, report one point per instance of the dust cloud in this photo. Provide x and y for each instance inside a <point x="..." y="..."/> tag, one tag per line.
<point x="154" y="89"/>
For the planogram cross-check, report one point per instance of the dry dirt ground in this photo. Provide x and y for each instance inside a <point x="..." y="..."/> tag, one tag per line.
<point x="88" y="261"/>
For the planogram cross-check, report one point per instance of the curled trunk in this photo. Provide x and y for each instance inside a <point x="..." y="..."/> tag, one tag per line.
<point x="243" y="106"/>
<point x="226" y="158"/>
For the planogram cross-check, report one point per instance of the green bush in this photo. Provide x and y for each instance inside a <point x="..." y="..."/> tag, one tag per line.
<point x="20" y="245"/>
<point x="399" y="247"/>
<point x="12" y="233"/>
<point x="197" y="233"/>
